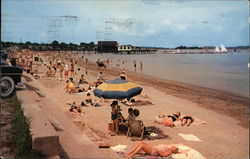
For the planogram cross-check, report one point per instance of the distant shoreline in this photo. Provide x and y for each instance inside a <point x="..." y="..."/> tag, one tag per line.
<point x="199" y="51"/>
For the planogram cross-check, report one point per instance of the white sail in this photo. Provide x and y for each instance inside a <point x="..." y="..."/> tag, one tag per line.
<point x="217" y="49"/>
<point x="178" y="51"/>
<point x="222" y="48"/>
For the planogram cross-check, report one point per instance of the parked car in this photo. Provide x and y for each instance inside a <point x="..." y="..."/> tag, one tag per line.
<point x="4" y="55"/>
<point x="10" y="77"/>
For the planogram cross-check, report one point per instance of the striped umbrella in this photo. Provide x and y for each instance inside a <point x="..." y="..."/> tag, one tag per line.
<point x="117" y="89"/>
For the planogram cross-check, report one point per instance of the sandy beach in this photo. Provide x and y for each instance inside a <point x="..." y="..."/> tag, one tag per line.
<point x="225" y="135"/>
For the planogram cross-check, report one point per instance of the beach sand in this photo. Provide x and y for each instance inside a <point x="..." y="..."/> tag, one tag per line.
<point x="226" y="134"/>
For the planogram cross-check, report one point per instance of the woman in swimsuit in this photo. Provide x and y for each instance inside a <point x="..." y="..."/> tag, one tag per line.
<point x="186" y="120"/>
<point x="162" y="150"/>
<point x="169" y="121"/>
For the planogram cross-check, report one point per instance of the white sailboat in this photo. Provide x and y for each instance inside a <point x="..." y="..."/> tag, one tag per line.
<point x="178" y="51"/>
<point x="223" y="48"/>
<point x="216" y="49"/>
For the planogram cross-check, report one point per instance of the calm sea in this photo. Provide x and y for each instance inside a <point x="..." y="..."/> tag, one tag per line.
<point x="227" y="72"/>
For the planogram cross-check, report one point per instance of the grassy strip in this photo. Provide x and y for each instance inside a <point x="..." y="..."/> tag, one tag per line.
<point x="21" y="137"/>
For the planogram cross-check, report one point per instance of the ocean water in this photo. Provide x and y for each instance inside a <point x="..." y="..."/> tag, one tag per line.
<point x="228" y="72"/>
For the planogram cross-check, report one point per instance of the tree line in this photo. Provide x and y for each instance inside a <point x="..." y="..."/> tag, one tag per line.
<point x="53" y="46"/>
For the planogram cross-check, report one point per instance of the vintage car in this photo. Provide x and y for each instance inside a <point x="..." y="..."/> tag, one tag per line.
<point x="10" y="78"/>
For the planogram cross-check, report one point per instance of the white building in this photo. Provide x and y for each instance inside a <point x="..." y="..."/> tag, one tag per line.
<point x="124" y="48"/>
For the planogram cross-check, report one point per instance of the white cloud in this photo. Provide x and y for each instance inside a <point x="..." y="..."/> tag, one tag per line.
<point x="137" y="18"/>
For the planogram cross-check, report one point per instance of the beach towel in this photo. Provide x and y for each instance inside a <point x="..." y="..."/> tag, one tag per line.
<point x="189" y="137"/>
<point x="187" y="153"/>
<point x="153" y="133"/>
<point x="119" y="148"/>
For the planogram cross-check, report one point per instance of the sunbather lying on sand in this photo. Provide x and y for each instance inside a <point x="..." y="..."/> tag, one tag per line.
<point x="168" y="120"/>
<point x="137" y="101"/>
<point x="162" y="150"/>
<point x="186" y="120"/>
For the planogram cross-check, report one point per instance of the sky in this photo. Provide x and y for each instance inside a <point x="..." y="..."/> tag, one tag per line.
<point x="157" y="23"/>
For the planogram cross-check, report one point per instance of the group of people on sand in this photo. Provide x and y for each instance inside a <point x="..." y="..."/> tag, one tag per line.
<point x="169" y="120"/>
<point x="117" y="117"/>
<point x="162" y="150"/>
<point x="67" y="71"/>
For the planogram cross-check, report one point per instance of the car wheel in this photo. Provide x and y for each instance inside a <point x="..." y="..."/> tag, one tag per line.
<point x="7" y="86"/>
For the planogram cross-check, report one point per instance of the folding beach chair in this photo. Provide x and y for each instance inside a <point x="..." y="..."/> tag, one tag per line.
<point x="136" y="128"/>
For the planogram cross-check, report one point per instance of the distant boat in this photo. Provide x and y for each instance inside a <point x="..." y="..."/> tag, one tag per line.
<point x="178" y="50"/>
<point x="216" y="49"/>
<point x="248" y="65"/>
<point x="222" y="49"/>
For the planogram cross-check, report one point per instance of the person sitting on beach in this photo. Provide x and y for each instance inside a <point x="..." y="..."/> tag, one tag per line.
<point x="162" y="150"/>
<point x="131" y="116"/>
<point x="82" y="80"/>
<point x="88" y="100"/>
<point x="75" y="109"/>
<point x="70" y="87"/>
<point x="123" y="76"/>
<point x="136" y="113"/>
<point x="186" y="120"/>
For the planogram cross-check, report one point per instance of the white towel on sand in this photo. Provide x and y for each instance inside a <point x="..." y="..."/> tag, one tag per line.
<point x="119" y="148"/>
<point x="189" y="137"/>
<point x="186" y="153"/>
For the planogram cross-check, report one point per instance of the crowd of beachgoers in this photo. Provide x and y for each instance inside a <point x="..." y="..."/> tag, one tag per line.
<point x="65" y="68"/>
